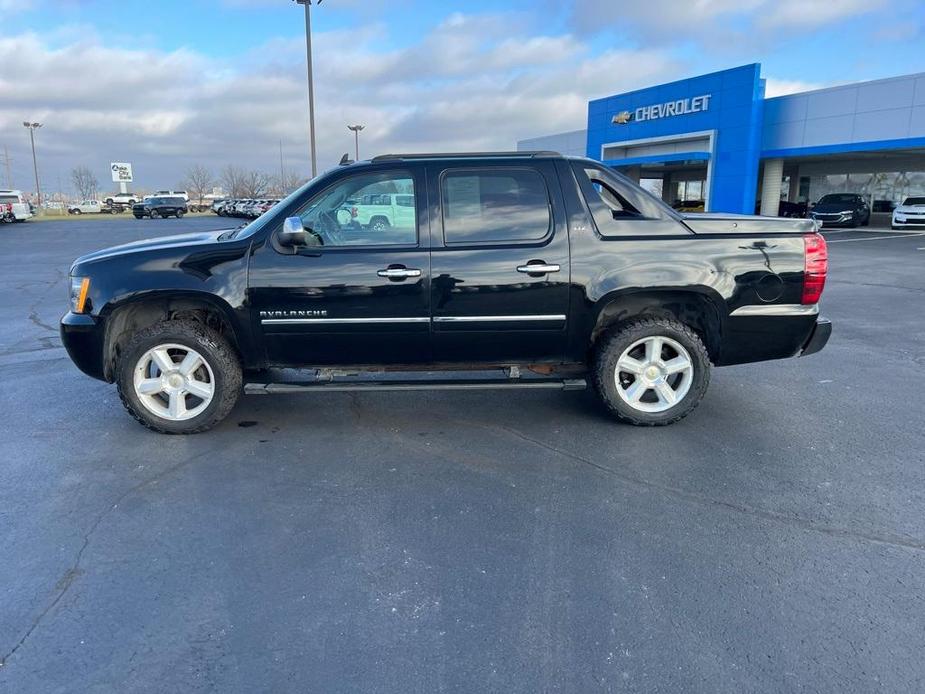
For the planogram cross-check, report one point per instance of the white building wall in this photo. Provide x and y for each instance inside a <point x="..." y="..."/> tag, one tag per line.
<point x="887" y="109"/>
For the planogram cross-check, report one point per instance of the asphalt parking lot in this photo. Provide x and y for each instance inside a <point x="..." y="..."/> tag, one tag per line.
<point x="445" y="541"/>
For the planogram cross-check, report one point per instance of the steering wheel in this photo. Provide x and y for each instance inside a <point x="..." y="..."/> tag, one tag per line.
<point x="328" y="228"/>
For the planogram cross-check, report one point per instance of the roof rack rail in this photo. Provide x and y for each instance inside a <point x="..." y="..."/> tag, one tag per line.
<point x="466" y="155"/>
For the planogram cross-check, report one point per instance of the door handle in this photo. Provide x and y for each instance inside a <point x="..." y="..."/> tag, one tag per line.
<point x="399" y="273"/>
<point x="540" y="268"/>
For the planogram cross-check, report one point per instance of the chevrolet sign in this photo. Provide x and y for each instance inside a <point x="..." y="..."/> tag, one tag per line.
<point x="668" y="109"/>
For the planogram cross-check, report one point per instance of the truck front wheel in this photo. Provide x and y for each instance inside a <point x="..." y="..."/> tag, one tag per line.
<point x="179" y="377"/>
<point x="651" y="372"/>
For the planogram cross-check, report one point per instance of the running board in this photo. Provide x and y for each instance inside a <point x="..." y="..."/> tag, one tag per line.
<point x="386" y="385"/>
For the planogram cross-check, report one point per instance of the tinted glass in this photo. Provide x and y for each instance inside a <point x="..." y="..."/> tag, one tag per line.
<point x="494" y="206"/>
<point x="914" y="201"/>
<point x="357" y="211"/>
<point x="8" y="198"/>
<point x="846" y="199"/>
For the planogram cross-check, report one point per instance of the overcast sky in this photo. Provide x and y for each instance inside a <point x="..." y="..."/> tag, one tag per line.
<point x="221" y="82"/>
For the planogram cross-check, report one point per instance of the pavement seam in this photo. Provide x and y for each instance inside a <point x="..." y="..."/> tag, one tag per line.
<point x="833" y="531"/>
<point x="73" y="571"/>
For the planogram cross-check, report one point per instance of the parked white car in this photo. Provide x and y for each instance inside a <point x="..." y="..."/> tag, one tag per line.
<point x="86" y="207"/>
<point x="18" y="205"/>
<point x="911" y="214"/>
<point x="122" y="199"/>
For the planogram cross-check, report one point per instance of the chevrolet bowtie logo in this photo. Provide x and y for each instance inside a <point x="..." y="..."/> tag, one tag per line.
<point x="622" y="118"/>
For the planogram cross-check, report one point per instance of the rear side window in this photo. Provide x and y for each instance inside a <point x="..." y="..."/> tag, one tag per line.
<point x="8" y="199"/>
<point x="613" y="202"/>
<point x="494" y="206"/>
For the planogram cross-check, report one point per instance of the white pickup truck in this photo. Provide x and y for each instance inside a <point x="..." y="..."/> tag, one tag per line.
<point x="95" y="207"/>
<point x="379" y="211"/>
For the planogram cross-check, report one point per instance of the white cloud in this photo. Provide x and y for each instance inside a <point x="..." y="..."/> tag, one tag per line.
<point x="473" y="82"/>
<point x="704" y="21"/>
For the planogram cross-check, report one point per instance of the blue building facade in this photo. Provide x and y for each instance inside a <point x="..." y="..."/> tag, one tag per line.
<point x="715" y="141"/>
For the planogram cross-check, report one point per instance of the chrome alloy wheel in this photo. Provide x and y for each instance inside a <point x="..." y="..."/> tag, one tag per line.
<point x="654" y="374"/>
<point x="174" y="382"/>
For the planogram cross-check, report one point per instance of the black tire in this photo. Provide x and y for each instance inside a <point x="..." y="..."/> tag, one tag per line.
<point x="179" y="214"/>
<point x="866" y="222"/>
<point x="155" y="214"/>
<point x="214" y="349"/>
<point x="77" y="212"/>
<point x="108" y="201"/>
<point x="378" y="224"/>
<point x="613" y="344"/>
<point x="139" y="216"/>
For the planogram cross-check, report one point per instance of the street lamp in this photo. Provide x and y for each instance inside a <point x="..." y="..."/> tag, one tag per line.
<point x="311" y="86"/>
<point x="356" y="137"/>
<point x="35" y="166"/>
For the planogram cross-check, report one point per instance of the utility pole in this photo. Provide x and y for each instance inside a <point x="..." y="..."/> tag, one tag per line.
<point x="6" y="161"/>
<point x="38" y="191"/>
<point x="282" y="193"/>
<point x="311" y="86"/>
<point x="356" y="138"/>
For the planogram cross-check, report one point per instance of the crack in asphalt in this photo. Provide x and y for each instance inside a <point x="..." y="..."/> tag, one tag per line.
<point x="34" y="317"/>
<point x="74" y="571"/>
<point x="831" y="530"/>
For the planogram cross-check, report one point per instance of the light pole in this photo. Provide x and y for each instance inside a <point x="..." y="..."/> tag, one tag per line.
<point x="311" y="85"/>
<point x="35" y="166"/>
<point x="356" y="137"/>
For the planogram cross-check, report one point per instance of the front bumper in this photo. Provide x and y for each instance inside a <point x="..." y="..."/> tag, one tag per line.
<point x="818" y="337"/>
<point x="83" y="337"/>
<point x="836" y="222"/>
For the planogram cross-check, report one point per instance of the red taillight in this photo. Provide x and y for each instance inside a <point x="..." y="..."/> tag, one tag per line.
<point x="815" y="268"/>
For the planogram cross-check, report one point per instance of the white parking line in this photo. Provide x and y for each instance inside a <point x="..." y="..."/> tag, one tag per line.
<point x="884" y="238"/>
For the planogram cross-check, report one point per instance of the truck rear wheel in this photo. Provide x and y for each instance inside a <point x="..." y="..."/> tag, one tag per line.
<point x="651" y="372"/>
<point x="378" y="223"/>
<point x="179" y="377"/>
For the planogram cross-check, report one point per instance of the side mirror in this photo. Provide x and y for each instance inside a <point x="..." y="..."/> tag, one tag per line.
<point x="293" y="233"/>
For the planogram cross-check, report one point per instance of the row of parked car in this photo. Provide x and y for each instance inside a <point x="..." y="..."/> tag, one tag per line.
<point x="243" y="207"/>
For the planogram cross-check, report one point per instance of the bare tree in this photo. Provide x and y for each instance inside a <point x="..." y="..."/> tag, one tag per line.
<point x="290" y="180"/>
<point x="255" y="184"/>
<point x="84" y="181"/>
<point x="198" y="181"/>
<point x="233" y="181"/>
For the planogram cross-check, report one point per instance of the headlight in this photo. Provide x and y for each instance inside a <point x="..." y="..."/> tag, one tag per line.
<point x="80" y="286"/>
<point x="899" y="217"/>
<point x="846" y="212"/>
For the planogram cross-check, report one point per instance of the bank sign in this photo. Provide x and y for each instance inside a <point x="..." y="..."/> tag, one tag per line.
<point x="121" y="172"/>
<point x="669" y="109"/>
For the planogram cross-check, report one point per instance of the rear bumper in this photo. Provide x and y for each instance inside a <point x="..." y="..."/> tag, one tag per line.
<point x="82" y="336"/>
<point x="818" y="337"/>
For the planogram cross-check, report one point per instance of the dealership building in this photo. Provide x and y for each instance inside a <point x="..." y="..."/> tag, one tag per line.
<point x="716" y="138"/>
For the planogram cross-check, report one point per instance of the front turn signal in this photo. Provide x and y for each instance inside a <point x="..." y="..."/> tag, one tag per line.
<point x="80" y="287"/>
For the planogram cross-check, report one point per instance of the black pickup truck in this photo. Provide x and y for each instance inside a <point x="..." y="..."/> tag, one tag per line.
<point x="527" y="270"/>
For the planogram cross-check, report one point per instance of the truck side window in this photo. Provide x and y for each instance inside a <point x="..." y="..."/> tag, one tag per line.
<point x="494" y="205"/>
<point x="612" y="203"/>
<point x="363" y="210"/>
